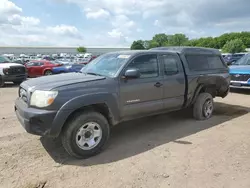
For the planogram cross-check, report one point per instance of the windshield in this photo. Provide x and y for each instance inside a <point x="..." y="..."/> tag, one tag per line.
<point x="106" y="65"/>
<point x="4" y="59"/>
<point x="245" y="60"/>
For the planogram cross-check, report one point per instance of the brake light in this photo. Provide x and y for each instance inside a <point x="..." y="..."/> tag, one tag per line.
<point x="6" y="71"/>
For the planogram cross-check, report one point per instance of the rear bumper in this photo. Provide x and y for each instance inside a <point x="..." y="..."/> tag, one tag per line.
<point x="14" y="78"/>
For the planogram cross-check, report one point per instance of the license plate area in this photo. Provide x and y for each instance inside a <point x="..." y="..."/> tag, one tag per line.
<point x="236" y="84"/>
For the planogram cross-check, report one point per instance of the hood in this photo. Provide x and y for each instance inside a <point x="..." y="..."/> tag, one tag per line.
<point x="240" y="69"/>
<point x="53" y="81"/>
<point x="7" y="65"/>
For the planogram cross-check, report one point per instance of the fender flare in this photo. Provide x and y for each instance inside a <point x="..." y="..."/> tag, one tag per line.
<point x="109" y="99"/>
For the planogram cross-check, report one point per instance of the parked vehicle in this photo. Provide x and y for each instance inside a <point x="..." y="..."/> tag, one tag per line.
<point x="40" y="68"/>
<point x="117" y="87"/>
<point x="11" y="72"/>
<point x="231" y="58"/>
<point x="240" y="73"/>
<point x="67" y="68"/>
<point x="19" y="61"/>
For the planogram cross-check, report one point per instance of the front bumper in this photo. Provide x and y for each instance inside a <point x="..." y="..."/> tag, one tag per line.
<point x="14" y="78"/>
<point x="239" y="85"/>
<point x="34" y="121"/>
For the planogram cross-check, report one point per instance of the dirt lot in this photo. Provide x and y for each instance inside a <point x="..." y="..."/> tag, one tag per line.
<point x="165" y="151"/>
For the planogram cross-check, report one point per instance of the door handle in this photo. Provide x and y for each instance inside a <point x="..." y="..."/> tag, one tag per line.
<point x="158" y="84"/>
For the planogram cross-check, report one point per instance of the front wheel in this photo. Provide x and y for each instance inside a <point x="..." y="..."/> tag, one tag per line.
<point x="85" y="135"/>
<point x="203" y="107"/>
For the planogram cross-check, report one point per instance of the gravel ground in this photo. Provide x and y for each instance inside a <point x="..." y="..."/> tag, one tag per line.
<point x="164" y="151"/>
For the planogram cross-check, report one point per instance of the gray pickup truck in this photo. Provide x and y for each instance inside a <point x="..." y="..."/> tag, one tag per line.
<point x="119" y="86"/>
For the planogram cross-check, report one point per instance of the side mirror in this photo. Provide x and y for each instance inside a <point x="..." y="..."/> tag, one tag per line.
<point x="132" y="73"/>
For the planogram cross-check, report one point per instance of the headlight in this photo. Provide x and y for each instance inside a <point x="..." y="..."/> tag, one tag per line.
<point x="43" y="98"/>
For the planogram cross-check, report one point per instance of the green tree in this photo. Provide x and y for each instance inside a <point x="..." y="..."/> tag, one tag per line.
<point x="234" y="46"/>
<point x="153" y="44"/>
<point x="219" y="42"/>
<point x="208" y="42"/>
<point x="177" y="40"/>
<point x="137" y="45"/>
<point x="81" y="49"/>
<point x="160" y="39"/>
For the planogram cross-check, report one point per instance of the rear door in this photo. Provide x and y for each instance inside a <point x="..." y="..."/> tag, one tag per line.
<point x="174" y="81"/>
<point x="142" y="96"/>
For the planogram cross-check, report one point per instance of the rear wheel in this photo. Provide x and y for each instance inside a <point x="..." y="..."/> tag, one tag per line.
<point x="48" y="72"/>
<point x="203" y="106"/>
<point x="86" y="135"/>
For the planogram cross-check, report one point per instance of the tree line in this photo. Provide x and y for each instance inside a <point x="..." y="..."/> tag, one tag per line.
<point x="229" y="42"/>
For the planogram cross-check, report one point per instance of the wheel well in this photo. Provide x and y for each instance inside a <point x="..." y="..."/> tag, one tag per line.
<point x="101" y="108"/>
<point x="209" y="89"/>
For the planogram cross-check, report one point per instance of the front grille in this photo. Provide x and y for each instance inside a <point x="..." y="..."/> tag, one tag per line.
<point x="240" y="77"/>
<point x="23" y="94"/>
<point x="16" y="70"/>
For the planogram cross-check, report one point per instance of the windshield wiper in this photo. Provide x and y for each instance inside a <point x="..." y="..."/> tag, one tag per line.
<point x="92" y="73"/>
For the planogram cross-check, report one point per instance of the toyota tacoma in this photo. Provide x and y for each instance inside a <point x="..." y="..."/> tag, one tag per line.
<point x="82" y="107"/>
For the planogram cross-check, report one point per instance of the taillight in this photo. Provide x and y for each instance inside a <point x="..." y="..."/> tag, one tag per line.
<point x="6" y="71"/>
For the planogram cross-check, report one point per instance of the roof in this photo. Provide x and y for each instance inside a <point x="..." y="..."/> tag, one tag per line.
<point x="173" y="49"/>
<point x="189" y="50"/>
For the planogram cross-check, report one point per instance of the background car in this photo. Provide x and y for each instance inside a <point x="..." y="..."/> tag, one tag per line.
<point x="40" y="68"/>
<point x="231" y="58"/>
<point x="67" y="68"/>
<point x="240" y="73"/>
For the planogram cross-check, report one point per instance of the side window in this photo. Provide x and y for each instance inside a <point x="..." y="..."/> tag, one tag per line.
<point x="29" y="64"/>
<point x="215" y="62"/>
<point x="170" y="64"/>
<point x="147" y="65"/>
<point x="41" y="63"/>
<point x="32" y="64"/>
<point x="197" y="62"/>
<point x="36" y="64"/>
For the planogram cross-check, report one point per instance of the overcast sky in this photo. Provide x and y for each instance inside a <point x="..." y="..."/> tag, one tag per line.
<point x="115" y="23"/>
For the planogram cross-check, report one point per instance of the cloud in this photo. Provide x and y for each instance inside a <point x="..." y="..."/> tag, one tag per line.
<point x="95" y="14"/>
<point x="65" y="30"/>
<point x="9" y="8"/>
<point x="29" y="31"/>
<point x="20" y="20"/>
<point x="125" y="20"/>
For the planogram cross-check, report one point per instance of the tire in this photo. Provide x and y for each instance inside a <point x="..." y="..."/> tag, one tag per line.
<point x="1" y="82"/>
<point x="48" y="72"/>
<point x="203" y="106"/>
<point x="72" y="136"/>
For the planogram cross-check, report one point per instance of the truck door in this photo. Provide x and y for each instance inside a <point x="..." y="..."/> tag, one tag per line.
<point x="142" y="95"/>
<point x="173" y="81"/>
